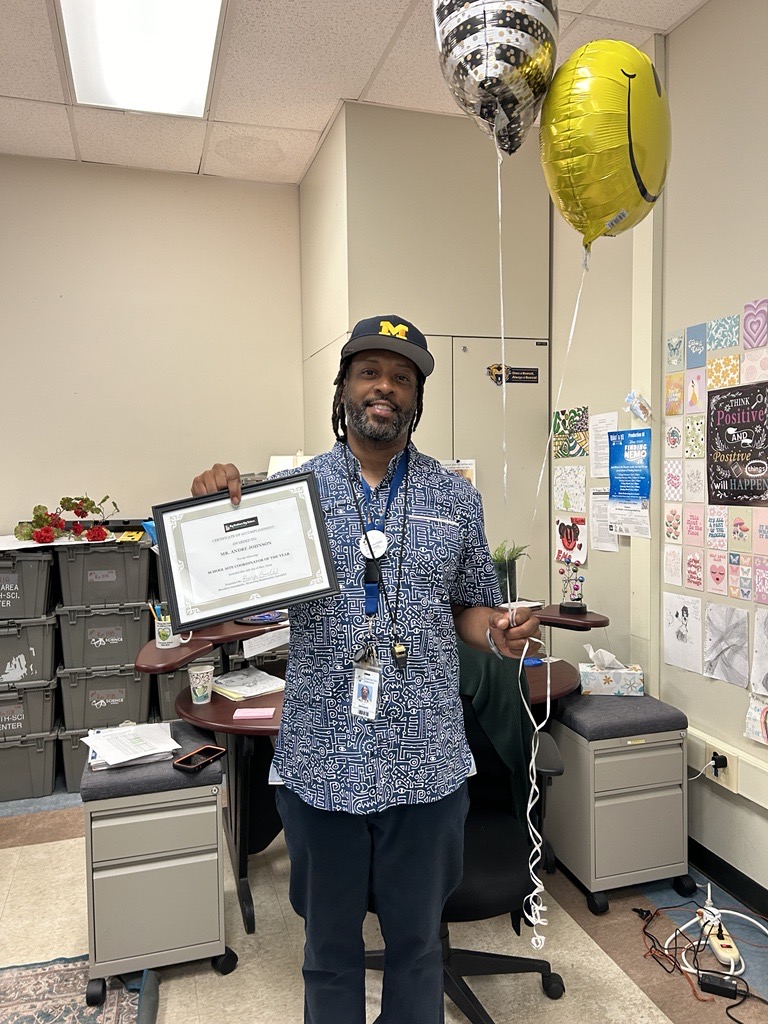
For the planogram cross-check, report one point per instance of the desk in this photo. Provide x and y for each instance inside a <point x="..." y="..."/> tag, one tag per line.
<point x="563" y="677"/>
<point x="251" y="820"/>
<point x="552" y="616"/>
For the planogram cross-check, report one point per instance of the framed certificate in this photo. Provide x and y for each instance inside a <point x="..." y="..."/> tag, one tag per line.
<point x="222" y="561"/>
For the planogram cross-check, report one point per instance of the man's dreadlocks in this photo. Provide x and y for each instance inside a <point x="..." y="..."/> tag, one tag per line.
<point x="338" y="414"/>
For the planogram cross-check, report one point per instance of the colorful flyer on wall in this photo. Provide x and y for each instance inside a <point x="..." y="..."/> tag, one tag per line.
<point x="693" y="568"/>
<point x="630" y="477"/>
<point x="717" y="527"/>
<point x="739" y="576"/>
<point x="694" y="525"/>
<point x="571" y="539"/>
<point x="737" y="446"/>
<point x="717" y="572"/>
<point x="570" y="432"/>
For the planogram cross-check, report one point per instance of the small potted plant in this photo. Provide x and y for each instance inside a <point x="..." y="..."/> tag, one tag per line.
<point x="504" y="558"/>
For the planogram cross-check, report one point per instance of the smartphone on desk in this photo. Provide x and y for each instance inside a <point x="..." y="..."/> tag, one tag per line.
<point x="197" y="759"/>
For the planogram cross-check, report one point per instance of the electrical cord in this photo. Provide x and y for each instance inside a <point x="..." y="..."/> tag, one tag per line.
<point x="709" y="764"/>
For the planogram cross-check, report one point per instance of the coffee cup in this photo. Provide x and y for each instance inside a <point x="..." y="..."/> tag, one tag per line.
<point x="200" y="682"/>
<point x="165" y="637"/>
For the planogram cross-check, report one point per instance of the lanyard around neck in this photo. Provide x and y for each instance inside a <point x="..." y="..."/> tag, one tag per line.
<point x="394" y="487"/>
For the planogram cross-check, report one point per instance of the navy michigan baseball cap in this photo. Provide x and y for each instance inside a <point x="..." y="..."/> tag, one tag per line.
<point x="393" y="334"/>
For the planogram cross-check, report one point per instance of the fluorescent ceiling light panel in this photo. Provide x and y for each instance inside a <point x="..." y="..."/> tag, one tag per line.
<point x="150" y="55"/>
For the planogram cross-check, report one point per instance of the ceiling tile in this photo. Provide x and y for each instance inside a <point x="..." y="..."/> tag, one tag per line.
<point x="584" y="30"/>
<point x="564" y="20"/>
<point x="258" y="154"/>
<point x="28" y="65"/>
<point x="30" y="128"/>
<point x="576" y="6"/>
<point x="154" y="142"/>
<point x="658" y="14"/>
<point x="411" y="76"/>
<point x="288" y="64"/>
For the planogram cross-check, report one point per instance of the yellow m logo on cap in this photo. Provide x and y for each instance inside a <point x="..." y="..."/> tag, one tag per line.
<point x="388" y="328"/>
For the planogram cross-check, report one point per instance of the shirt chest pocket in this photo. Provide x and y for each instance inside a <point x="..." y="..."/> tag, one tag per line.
<point x="436" y="547"/>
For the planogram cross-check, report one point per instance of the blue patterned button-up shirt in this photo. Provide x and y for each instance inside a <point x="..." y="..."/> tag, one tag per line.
<point x="415" y="750"/>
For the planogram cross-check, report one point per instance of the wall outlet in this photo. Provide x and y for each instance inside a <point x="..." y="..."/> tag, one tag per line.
<point x="728" y="777"/>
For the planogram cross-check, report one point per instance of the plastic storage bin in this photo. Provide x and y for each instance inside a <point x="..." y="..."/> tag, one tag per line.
<point x="107" y="635"/>
<point x="28" y="766"/>
<point x="170" y="684"/>
<point x="74" y="754"/>
<point x="26" y="708"/>
<point x="26" y="649"/>
<point x="92" y="698"/>
<point x="99" y="574"/>
<point x="25" y="578"/>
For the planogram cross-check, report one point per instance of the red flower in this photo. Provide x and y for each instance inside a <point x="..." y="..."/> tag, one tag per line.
<point x="79" y="510"/>
<point x="96" y="533"/>
<point x="77" y="529"/>
<point x="44" y="535"/>
<point x="55" y="521"/>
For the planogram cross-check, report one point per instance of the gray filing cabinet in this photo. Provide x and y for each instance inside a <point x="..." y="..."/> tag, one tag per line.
<point x="618" y="815"/>
<point x="154" y="859"/>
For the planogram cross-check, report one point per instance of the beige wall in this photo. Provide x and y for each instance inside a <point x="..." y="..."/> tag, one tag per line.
<point x="150" y="326"/>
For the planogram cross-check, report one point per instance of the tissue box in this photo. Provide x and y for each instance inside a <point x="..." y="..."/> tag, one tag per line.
<point x="623" y="682"/>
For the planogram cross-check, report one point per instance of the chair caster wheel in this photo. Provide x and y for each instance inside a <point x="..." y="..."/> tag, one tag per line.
<point x="96" y="991"/>
<point x="226" y="962"/>
<point x="553" y="985"/>
<point x="597" y="902"/>
<point x="684" y="885"/>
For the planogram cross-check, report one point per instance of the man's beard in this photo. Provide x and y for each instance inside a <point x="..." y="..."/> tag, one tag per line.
<point x="387" y="431"/>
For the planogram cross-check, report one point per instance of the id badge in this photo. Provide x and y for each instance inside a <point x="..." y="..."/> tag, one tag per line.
<point x="365" y="690"/>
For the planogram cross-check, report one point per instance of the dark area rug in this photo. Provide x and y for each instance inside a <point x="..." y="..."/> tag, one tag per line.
<point x="55" y="991"/>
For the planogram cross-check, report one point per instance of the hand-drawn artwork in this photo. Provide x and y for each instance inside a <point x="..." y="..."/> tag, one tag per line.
<point x="756" y="722"/>
<point x="754" y="324"/>
<point x="723" y="371"/>
<point x="723" y="333"/>
<point x="673" y="437"/>
<point x="673" y="565"/>
<point x="674" y="386"/>
<point x="673" y="479"/>
<point x="694" y="524"/>
<point x="570" y="432"/>
<point x="695" y="390"/>
<point x="570" y="488"/>
<point x="672" y="523"/>
<point x="726" y="644"/>
<point x="737" y="446"/>
<point x="571" y="539"/>
<point x="675" y="352"/>
<point x="739" y="576"/>
<point x="696" y="346"/>
<point x="717" y="572"/>
<point x="754" y="366"/>
<point x="694" y="481"/>
<point x="760" y="579"/>
<point x="694" y="436"/>
<point x="682" y="631"/>
<point x="740" y="529"/>
<point x="693" y="568"/>
<point x="759" y="675"/>
<point x="717" y="527"/>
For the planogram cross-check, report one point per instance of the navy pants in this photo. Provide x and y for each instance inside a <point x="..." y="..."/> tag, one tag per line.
<point x="409" y="858"/>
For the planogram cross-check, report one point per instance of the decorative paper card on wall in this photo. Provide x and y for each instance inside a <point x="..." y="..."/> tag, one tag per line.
<point x="571" y="539"/>
<point x="723" y="372"/>
<point x="696" y="346"/>
<point x="673" y="436"/>
<point x="694" y="525"/>
<point x="695" y="481"/>
<point x="760" y="531"/>
<point x="695" y="390"/>
<point x="673" y="565"/>
<point x="754" y="366"/>
<point x="673" y="522"/>
<point x="673" y="479"/>
<point x="682" y="631"/>
<point x="675" y="349"/>
<point x="717" y="572"/>
<point x="756" y="723"/>
<point x="693" y="568"/>
<point x="739" y="529"/>
<point x="674" y="385"/>
<point x="759" y="674"/>
<point x="570" y="488"/>
<point x="717" y="527"/>
<point x="570" y="432"/>
<point x="754" y="326"/>
<point x="739" y="576"/>
<point x="695" y="447"/>
<point x="726" y="644"/>
<point x="723" y="333"/>
<point x="760" y="579"/>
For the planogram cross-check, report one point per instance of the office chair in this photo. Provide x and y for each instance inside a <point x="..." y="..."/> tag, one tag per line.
<point x="496" y="877"/>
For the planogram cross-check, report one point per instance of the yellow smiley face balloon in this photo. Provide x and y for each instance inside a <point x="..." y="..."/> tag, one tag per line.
<point x="605" y="138"/>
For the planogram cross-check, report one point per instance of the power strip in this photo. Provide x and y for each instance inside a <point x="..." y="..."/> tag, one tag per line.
<point x="723" y="946"/>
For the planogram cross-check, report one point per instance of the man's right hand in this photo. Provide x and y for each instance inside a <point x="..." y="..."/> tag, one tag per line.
<point x="221" y="477"/>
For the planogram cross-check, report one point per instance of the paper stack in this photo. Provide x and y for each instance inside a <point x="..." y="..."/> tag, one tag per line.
<point x="129" y="745"/>
<point x="247" y="682"/>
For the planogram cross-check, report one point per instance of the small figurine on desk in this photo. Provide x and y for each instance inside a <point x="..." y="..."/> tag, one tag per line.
<point x="573" y="595"/>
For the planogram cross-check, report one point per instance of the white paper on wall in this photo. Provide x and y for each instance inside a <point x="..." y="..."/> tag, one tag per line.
<point x="673" y="565"/>
<point x="726" y="644"/>
<point x="682" y="631"/>
<point x="759" y="675"/>
<point x="570" y="487"/>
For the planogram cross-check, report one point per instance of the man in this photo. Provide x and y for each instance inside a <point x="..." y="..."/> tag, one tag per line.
<point x="373" y="795"/>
